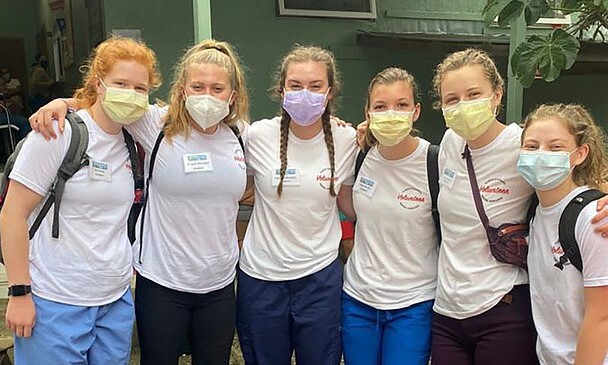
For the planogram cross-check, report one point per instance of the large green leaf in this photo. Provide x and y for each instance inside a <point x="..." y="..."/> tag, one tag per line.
<point x="548" y="55"/>
<point x="492" y="9"/>
<point x="534" y="10"/>
<point x="605" y="3"/>
<point x="510" y="13"/>
<point x="572" y="5"/>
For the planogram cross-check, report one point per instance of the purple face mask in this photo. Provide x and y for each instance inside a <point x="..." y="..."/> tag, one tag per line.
<point x="303" y="106"/>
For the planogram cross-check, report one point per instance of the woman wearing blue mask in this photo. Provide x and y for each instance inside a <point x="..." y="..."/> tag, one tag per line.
<point x="187" y="251"/>
<point x="482" y="307"/>
<point x="302" y="164"/>
<point x="563" y="156"/>
<point x="69" y="293"/>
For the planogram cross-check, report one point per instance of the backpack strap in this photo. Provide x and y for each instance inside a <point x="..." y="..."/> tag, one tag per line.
<point x="153" y="154"/>
<point x="237" y="133"/>
<point x="138" y="183"/>
<point x="74" y="160"/>
<point x="567" y="224"/>
<point x="359" y="162"/>
<point x="432" y="173"/>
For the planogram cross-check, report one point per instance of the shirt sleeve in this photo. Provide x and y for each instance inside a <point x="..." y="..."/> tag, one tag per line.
<point x="38" y="161"/>
<point x="347" y="161"/>
<point x="593" y="247"/>
<point x="245" y="134"/>
<point x="146" y="129"/>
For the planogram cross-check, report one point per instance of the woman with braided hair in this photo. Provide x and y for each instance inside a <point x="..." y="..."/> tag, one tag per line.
<point x="302" y="163"/>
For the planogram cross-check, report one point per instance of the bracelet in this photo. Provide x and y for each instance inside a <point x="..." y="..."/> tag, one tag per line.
<point x="69" y="108"/>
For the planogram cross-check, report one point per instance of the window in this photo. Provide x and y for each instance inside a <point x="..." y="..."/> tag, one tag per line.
<point x="356" y="9"/>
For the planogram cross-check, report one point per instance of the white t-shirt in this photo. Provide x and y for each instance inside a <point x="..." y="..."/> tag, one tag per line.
<point x="558" y="302"/>
<point x="299" y="233"/>
<point x="13" y="84"/>
<point x="470" y="279"/>
<point x="189" y="237"/>
<point x="394" y="260"/>
<point x="90" y="263"/>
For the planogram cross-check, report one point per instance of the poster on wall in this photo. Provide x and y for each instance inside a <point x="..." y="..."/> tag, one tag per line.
<point x="357" y="9"/>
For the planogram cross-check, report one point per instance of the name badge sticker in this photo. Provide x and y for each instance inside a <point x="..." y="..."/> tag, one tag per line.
<point x="100" y="171"/>
<point x="292" y="177"/>
<point x="448" y="176"/>
<point x="197" y="162"/>
<point x="365" y="186"/>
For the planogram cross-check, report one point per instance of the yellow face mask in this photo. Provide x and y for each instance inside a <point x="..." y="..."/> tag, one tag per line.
<point x="124" y="106"/>
<point x="469" y="119"/>
<point x="390" y="127"/>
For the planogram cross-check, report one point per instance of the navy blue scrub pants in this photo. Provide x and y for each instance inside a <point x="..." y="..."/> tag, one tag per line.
<point x="274" y="318"/>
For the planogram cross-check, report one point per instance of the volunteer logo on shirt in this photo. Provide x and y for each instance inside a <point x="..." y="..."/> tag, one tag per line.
<point x="324" y="178"/>
<point x="494" y="190"/>
<point x="558" y="253"/>
<point x="128" y="167"/>
<point x="411" y="198"/>
<point x="239" y="158"/>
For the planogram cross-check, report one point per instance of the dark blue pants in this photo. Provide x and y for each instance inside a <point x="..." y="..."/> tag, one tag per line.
<point x="274" y="318"/>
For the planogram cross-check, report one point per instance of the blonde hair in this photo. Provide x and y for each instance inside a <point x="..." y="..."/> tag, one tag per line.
<point x="104" y="57"/>
<point x="300" y="54"/>
<point x="594" y="170"/>
<point x="388" y="76"/>
<point x="213" y="52"/>
<point x="460" y="59"/>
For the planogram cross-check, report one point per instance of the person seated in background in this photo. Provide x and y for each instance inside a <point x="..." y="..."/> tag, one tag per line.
<point x="11" y="88"/>
<point x="39" y="84"/>
<point x="17" y="120"/>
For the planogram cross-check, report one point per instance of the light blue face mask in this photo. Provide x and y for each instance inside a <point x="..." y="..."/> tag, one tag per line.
<point x="544" y="170"/>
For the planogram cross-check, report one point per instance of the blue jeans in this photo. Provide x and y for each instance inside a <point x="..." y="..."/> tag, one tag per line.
<point x="274" y="318"/>
<point x="71" y="334"/>
<point x="386" y="337"/>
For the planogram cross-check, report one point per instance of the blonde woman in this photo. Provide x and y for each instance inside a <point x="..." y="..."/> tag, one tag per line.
<point x="187" y="251"/>
<point x="563" y="155"/>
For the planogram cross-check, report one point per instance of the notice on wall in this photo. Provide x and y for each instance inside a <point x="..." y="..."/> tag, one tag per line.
<point x="127" y="33"/>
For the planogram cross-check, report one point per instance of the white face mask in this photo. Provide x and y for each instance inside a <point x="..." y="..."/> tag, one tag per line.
<point x="207" y="110"/>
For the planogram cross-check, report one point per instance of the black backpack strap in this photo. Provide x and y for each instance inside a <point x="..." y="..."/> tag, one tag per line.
<point x="237" y="133"/>
<point x="138" y="184"/>
<point x="359" y="162"/>
<point x="432" y="168"/>
<point x="532" y="208"/>
<point x="153" y="154"/>
<point x="567" y="224"/>
<point x="75" y="158"/>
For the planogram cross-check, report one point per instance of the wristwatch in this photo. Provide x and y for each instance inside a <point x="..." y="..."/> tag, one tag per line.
<point x="19" y="290"/>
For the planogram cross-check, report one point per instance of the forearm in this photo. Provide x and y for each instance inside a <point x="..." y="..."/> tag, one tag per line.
<point x="15" y="249"/>
<point x="72" y="103"/>
<point x="592" y="342"/>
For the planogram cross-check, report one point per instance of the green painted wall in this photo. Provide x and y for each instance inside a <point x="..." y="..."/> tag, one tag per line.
<point x="588" y="90"/>
<point x="166" y="26"/>
<point x="262" y="38"/>
<point x="18" y="19"/>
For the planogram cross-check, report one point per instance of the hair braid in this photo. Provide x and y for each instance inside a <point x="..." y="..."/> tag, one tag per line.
<point x="285" y="119"/>
<point x="329" y="142"/>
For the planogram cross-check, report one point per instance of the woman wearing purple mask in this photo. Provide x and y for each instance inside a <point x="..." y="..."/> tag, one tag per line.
<point x="290" y="279"/>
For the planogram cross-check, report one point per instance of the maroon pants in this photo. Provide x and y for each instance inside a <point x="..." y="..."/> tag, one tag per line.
<point x="504" y="334"/>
